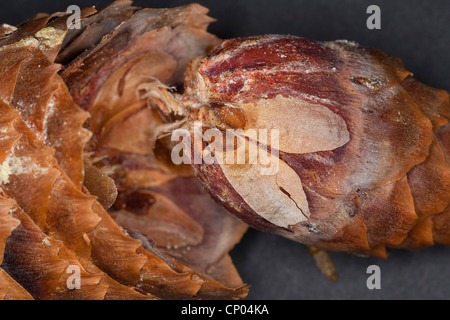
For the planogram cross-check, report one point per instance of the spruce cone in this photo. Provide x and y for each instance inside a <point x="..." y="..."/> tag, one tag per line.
<point x="363" y="159"/>
<point x="55" y="159"/>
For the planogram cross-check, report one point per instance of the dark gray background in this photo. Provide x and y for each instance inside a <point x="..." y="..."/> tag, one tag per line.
<point x="419" y="33"/>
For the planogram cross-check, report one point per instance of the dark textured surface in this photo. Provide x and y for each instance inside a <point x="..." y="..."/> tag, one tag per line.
<point x="419" y="33"/>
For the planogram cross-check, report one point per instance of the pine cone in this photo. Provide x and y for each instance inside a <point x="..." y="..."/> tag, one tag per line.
<point x="363" y="153"/>
<point x="56" y="159"/>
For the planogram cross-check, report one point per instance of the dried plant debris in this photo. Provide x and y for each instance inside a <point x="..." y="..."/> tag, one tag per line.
<point x="52" y="221"/>
<point x="153" y="202"/>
